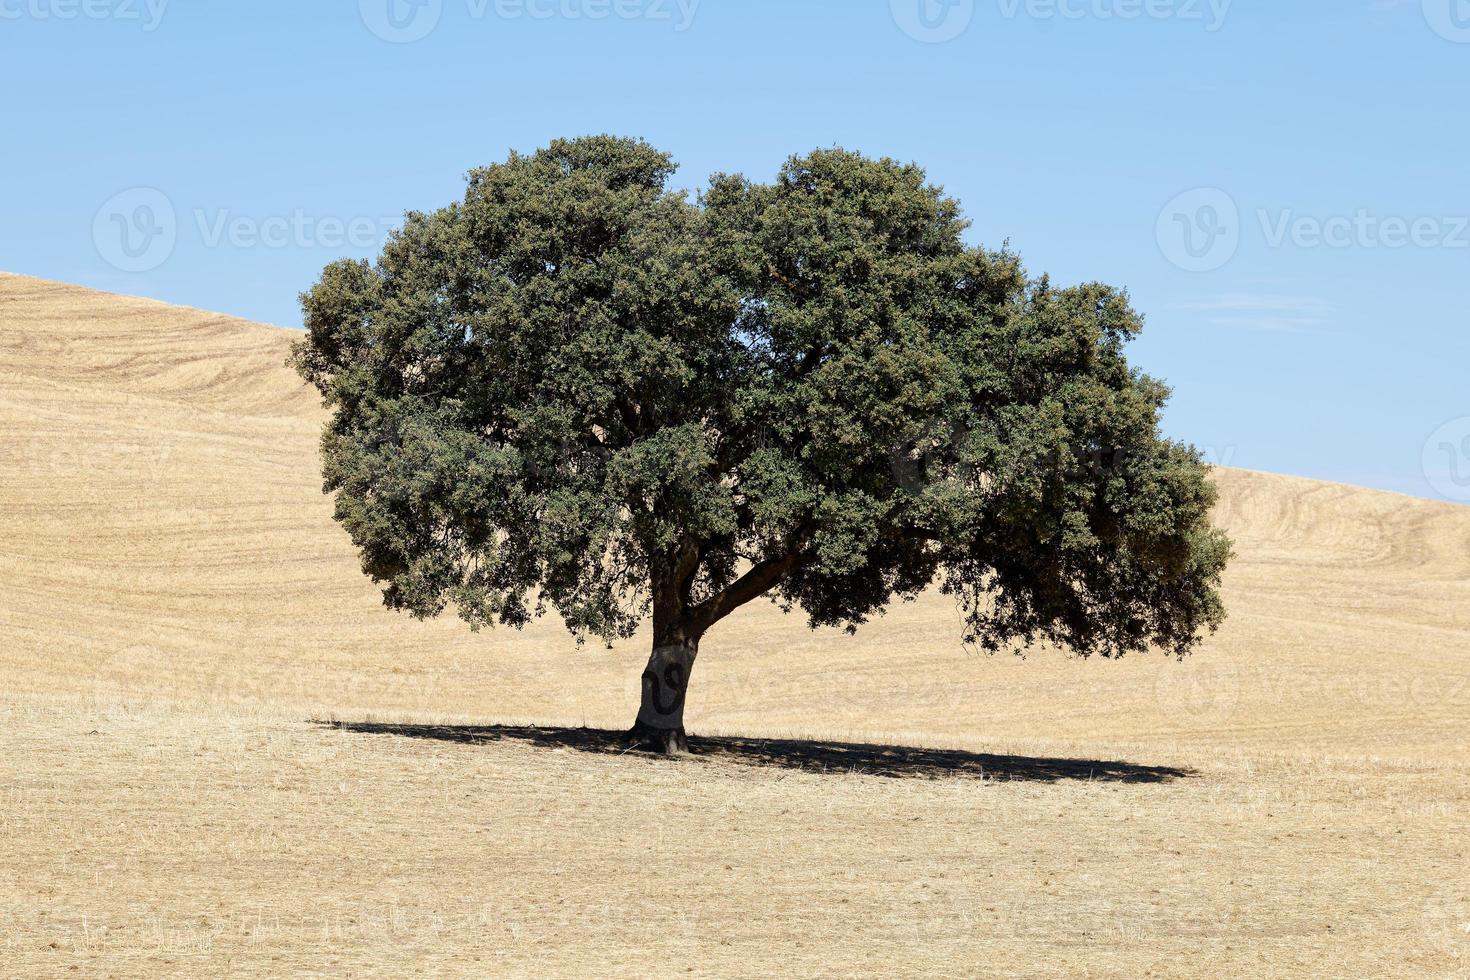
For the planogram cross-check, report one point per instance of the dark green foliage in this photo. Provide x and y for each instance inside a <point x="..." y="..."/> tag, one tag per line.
<point x="577" y="389"/>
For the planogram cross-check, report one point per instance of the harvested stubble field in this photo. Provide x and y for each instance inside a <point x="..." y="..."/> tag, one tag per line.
<point x="181" y="622"/>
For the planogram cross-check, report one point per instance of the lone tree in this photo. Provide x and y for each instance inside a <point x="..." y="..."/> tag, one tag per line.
<point x="579" y="390"/>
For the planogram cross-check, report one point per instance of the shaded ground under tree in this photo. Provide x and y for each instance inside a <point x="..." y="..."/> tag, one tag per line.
<point x="805" y="755"/>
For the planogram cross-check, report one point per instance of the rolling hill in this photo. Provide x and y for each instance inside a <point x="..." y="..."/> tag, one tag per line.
<point x="176" y="607"/>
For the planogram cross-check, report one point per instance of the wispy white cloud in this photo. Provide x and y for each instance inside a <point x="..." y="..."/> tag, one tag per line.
<point x="1275" y="314"/>
<point x="1270" y="324"/>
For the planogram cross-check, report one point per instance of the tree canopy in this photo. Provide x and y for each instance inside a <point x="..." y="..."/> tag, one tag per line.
<point x="578" y="389"/>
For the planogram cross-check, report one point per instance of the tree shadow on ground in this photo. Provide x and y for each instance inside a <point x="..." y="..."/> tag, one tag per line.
<point x="804" y="755"/>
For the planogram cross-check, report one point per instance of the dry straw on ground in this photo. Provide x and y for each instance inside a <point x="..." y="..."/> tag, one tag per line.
<point x="177" y="609"/>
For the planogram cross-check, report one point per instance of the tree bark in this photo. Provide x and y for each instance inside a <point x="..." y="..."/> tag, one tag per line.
<point x="660" y="724"/>
<point x="677" y="629"/>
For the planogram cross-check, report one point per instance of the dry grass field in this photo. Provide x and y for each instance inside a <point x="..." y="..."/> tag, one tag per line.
<point x="179" y="615"/>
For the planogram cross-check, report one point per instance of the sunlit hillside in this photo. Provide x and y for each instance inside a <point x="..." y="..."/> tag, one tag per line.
<point x="177" y="608"/>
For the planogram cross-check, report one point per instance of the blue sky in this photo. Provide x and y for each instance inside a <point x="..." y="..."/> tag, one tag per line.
<point x="1281" y="185"/>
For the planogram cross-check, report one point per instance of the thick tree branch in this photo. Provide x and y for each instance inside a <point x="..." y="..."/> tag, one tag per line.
<point x="755" y="583"/>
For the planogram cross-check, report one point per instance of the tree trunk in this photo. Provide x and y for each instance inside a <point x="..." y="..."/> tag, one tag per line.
<point x="660" y="724"/>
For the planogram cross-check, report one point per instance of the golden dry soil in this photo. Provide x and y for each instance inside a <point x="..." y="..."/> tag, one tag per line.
<point x="178" y="613"/>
